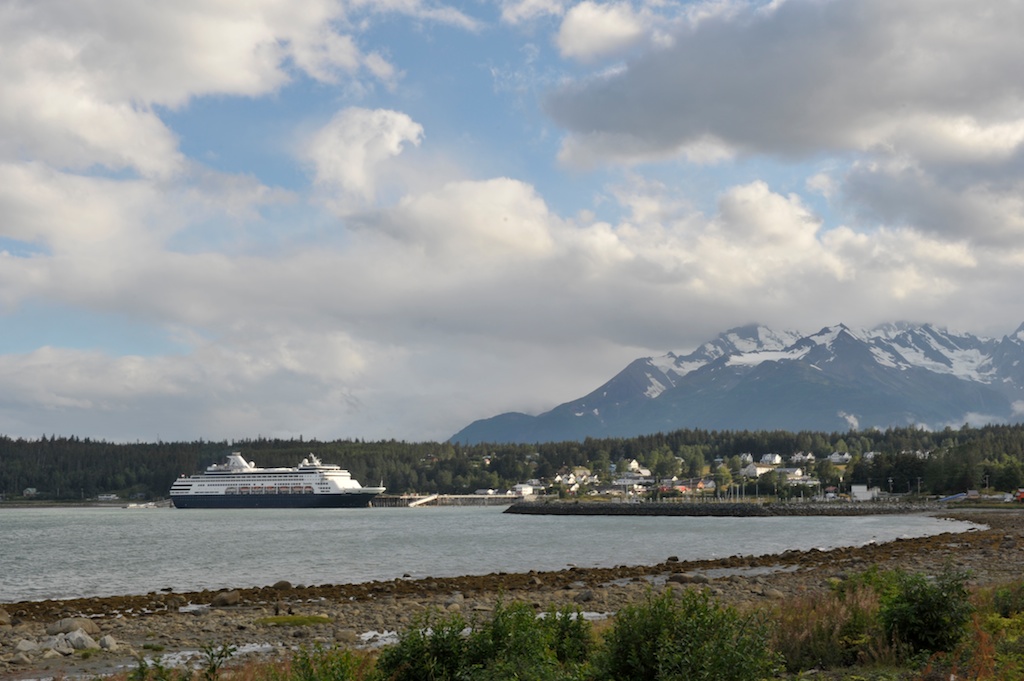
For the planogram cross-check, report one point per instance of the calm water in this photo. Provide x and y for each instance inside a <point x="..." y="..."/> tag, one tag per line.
<point x="74" y="552"/>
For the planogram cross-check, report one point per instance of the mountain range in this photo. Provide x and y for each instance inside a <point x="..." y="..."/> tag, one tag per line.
<point x="755" y="378"/>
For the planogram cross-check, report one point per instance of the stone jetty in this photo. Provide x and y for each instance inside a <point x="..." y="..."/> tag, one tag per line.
<point x="722" y="509"/>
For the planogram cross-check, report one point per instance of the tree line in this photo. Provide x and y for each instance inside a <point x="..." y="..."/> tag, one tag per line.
<point x="905" y="460"/>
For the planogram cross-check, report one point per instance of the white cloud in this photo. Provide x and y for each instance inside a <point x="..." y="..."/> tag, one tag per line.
<point x="438" y="13"/>
<point x="218" y="389"/>
<point x="79" y="79"/>
<point x="521" y="11"/>
<point x="349" y="153"/>
<point x="497" y="219"/>
<point x="69" y="213"/>
<point x="591" y="30"/>
<point x="803" y="76"/>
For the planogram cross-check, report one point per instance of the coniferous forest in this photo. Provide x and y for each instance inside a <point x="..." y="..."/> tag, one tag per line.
<point x="905" y="460"/>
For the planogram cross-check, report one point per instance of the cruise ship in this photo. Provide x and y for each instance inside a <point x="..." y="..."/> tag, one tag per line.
<point x="238" y="483"/>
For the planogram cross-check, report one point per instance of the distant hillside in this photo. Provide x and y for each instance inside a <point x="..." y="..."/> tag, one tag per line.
<point x="754" y="378"/>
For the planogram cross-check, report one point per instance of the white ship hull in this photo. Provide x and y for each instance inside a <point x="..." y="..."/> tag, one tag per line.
<point x="240" y="484"/>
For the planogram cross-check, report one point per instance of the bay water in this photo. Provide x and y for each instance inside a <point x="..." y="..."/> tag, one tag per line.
<point x="57" y="553"/>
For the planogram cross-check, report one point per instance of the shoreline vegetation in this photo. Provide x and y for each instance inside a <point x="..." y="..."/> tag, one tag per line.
<point x="170" y="628"/>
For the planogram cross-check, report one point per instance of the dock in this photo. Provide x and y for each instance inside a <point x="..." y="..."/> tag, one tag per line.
<point x="420" y="500"/>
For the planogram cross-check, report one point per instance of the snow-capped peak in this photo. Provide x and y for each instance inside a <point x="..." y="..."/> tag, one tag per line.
<point x="899" y="345"/>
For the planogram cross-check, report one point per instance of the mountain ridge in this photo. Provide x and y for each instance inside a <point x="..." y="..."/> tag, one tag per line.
<point x="753" y="377"/>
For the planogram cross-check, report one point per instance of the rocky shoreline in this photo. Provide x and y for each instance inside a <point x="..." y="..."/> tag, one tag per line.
<point x="175" y="627"/>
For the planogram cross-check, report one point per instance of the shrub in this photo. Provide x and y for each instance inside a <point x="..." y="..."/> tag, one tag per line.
<point x="433" y="649"/>
<point x="928" y="615"/>
<point x="571" y="636"/>
<point x="514" y="644"/>
<point x="1008" y="600"/>
<point x="215" y="657"/>
<point x="690" y="637"/>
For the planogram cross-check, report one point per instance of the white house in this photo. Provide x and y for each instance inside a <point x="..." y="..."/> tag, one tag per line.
<point x="755" y="470"/>
<point x="839" y="458"/>
<point x="802" y="458"/>
<point x="862" y="493"/>
<point x="771" y="460"/>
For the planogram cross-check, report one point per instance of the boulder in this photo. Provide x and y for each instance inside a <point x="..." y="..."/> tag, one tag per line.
<point x="5" y="617"/>
<point x="26" y="646"/>
<point x="584" y="596"/>
<point x="226" y="598"/>
<point x="346" y="636"/>
<point x="61" y="645"/>
<point x="282" y="585"/>
<point x="69" y="624"/>
<point x="108" y="642"/>
<point x="80" y="640"/>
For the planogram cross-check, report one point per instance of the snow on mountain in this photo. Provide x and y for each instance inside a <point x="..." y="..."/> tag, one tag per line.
<point x="896" y="346"/>
<point x="942" y="351"/>
<point x="754" y="377"/>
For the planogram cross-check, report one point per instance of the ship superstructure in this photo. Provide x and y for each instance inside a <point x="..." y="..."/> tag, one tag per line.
<point x="238" y="483"/>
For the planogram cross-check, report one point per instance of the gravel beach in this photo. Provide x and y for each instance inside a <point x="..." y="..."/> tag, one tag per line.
<point x="174" y="627"/>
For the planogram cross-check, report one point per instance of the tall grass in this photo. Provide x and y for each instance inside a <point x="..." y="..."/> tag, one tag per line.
<point x="831" y="631"/>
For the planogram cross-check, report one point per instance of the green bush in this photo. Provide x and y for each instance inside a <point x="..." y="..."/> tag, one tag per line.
<point x="571" y="636"/>
<point x="1008" y="600"/>
<point x="433" y="649"/>
<point x="928" y="615"/>
<point x="687" y="637"/>
<point x="514" y="644"/>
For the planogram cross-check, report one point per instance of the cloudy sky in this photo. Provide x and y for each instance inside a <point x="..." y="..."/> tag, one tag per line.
<point x="388" y="218"/>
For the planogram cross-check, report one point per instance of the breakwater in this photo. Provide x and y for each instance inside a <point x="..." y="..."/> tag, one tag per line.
<point x="724" y="510"/>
